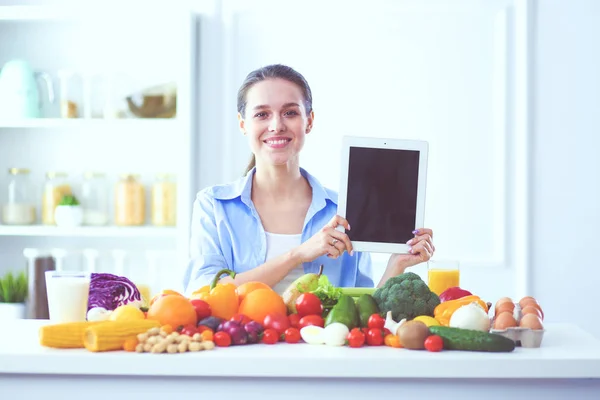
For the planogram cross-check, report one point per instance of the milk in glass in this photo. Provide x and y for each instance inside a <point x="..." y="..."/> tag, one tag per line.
<point x="68" y="293"/>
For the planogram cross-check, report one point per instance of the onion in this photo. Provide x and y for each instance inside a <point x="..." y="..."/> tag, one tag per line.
<point x="470" y="316"/>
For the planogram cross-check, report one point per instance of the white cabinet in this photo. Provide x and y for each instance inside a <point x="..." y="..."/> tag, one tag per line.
<point x="111" y="54"/>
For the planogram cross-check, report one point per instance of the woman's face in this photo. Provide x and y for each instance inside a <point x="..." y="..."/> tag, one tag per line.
<point x="275" y="121"/>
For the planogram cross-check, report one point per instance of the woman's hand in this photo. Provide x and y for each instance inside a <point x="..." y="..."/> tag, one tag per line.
<point x="421" y="250"/>
<point x="327" y="241"/>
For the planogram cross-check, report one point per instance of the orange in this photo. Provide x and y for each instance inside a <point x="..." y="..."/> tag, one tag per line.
<point x="260" y="302"/>
<point x="248" y="287"/>
<point x="174" y="310"/>
<point x="165" y="292"/>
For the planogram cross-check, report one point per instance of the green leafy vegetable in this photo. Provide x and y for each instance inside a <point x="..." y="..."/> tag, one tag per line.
<point x="325" y="291"/>
<point x="68" y="200"/>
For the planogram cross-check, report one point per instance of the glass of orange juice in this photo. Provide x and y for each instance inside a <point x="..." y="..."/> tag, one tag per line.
<point x="442" y="274"/>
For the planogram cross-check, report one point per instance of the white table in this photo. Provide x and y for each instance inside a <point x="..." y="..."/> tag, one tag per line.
<point x="566" y="366"/>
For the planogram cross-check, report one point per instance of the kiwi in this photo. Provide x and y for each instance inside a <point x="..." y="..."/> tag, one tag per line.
<point x="412" y="335"/>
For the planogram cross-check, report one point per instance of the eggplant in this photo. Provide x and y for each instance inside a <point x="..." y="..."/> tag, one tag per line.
<point x="211" y="322"/>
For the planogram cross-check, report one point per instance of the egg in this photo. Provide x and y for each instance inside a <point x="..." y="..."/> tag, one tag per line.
<point x="505" y="307"/>
<point x="527" y="300"/>
<point x="531" y="321"/>
<point x="532" y="310"/>
<point x="503" y="300"/>
<point x="505" y="320"/>
<point x="538" y="307"/>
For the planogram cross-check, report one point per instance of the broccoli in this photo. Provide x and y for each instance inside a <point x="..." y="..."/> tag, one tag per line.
<point x="406" y="296"/>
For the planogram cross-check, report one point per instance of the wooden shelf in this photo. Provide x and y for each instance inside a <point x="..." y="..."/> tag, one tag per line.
<point x="89" y="231"/>
<point x="81" y="123"/>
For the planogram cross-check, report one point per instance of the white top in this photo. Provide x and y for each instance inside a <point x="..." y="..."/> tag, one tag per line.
<point x="277" y="244"/>
<point x="567" y="352"/>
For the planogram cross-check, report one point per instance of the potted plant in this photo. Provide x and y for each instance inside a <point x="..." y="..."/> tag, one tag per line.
<point x="68" y="212"/>
<point x="13" y="293"/>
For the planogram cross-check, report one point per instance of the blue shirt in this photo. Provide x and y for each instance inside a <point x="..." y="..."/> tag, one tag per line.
<point x="226" y="232"/>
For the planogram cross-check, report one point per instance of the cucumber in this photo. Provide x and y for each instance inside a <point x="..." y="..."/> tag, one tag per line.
<point x="471" y="340"/>
<point x="357" y="291"/>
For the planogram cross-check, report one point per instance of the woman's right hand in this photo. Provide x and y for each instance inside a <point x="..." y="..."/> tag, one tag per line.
<point x="327" y="241"/>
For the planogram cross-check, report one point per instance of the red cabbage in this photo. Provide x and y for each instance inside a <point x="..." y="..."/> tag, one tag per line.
<point x="111" y="291"/>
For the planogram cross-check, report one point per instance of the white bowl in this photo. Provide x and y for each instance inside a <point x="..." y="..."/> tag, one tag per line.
<point x="68" y="216"/>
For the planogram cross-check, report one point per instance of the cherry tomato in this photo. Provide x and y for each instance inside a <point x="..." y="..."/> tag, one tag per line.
<point x="434" y="343"/>
<point x="355" y="338"/>
<point x="202" y="309"/>
<point x="278" y="322"/>
<point x="375" y="337"/>
<point x="189" y="330"/>
<point x="294" y="320"/>
<point x="240" y="318"/>
<point x="292" y="335"/>
<point x="270" y="336"/>
<point x="311" y="320"/>
<point x="203" y="328"/>
<point x="222" y="339"/>
<point x="309" y="304"/>
<point x="376" y="321"/>
<point x="392" y="340"/>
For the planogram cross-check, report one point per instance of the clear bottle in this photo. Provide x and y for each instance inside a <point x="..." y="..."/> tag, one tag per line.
<point x="164" y="200"/>
<point x="55" y="188"/>
<point x="20" y="206"/>
<point x="94" y="199"/>
<point x="130" y="201"/>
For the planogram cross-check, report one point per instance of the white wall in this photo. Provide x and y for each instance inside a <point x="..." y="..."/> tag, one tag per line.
<point x="566" y="174"/>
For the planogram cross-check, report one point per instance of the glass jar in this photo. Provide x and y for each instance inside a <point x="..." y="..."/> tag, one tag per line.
<point x="130" y="201"/>
<point x="164" y="200"/>
<point x="55" y="188"/>
<point x="94" y="199"/>
<point x="20" y="205"/>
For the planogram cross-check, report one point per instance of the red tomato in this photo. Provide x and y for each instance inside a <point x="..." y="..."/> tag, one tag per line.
<point x="375" y="337"/>
<point x="189" y="330"/>
<point x="355" y="338"/>
<point x="292" y="335"/>
<point x="222" y="339"/>
<point x="434" y="343"/>
<point x="294" y="320"/>
<point x="278" y="322"/>
<point x="202" y="309"/>
<point x="240" y="318"/>
<point x="309" y="304"/>
<point x="270" y="336"/>
<point x="376" y="321"/>
<point x="311" y="320"/>
<point x="203" y="328"/>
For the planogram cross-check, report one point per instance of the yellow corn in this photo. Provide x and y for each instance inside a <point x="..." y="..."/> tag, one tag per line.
<point x="67" y="335"/>
<point x="111" y="335"/>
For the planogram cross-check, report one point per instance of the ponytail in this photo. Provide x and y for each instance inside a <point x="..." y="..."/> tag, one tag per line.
<point x="251" y="164"/>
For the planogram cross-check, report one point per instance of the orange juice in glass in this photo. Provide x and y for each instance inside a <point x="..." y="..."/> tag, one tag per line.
<point x="442" y="275"/>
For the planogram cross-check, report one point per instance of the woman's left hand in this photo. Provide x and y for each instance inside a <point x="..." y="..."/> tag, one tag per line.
<point x="421" y="250"/>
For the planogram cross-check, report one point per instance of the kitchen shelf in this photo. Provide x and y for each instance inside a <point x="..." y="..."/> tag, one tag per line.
<point x="78" y="123"/>
<point x="89" y="231"/>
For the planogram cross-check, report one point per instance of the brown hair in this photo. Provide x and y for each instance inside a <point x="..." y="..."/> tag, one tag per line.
<point x="272" y="72"/>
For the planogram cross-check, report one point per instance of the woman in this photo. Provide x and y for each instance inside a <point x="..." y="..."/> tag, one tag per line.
<point x="278" y="222"/>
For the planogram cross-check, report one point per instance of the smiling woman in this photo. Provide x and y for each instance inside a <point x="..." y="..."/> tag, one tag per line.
<point x="278" y="222"/>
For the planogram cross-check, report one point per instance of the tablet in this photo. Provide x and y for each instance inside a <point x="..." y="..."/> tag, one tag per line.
<point x="382" y="191"/>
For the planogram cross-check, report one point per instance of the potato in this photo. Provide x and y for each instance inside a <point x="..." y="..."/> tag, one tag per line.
<point x="412" y="335"/>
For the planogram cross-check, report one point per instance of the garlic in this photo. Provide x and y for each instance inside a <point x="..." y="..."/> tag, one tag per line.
<point x="470" y="316"/>
<point x="98" y="314"/>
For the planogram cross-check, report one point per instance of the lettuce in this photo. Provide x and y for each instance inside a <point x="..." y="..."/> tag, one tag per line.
<point x="110" y="291"/>
<point x="325" y="291"/>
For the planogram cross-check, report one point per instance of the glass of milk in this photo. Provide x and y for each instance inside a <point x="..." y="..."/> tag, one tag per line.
<point x="68" y="293"/>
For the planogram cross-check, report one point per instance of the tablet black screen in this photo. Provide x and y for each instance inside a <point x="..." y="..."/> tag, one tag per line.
<point x="382" y="194"/>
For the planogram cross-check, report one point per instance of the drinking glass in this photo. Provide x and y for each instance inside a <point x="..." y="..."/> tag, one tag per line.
<point x="68" y="293"/>
<point x="442" y="274"/>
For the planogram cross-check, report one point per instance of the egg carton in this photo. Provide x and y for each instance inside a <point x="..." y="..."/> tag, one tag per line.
<point x="524" y="337"/>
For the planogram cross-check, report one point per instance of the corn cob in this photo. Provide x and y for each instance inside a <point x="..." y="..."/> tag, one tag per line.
<point x="110" y="335"/>
<point x="67" y="335"/>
